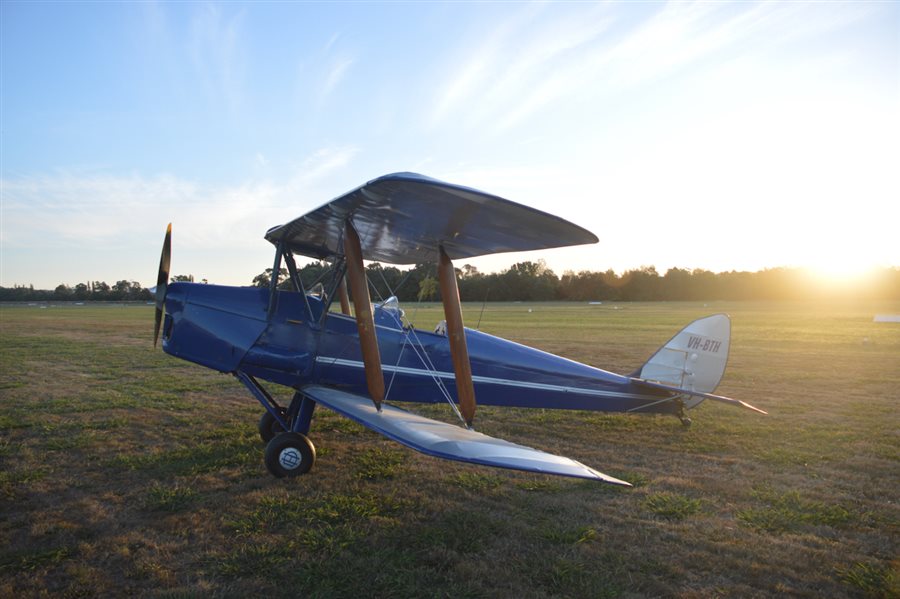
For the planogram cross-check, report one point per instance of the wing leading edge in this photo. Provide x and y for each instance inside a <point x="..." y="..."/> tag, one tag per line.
<point x="450" y="442"/>
<point x="403" y="218"/>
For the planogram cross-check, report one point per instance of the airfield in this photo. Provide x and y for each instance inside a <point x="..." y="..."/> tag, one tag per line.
<point x="124" y="471"/>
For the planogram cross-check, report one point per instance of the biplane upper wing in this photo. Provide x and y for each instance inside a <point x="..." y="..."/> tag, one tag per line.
<point x="450" y="442"/>
<point x="404" y="218"/>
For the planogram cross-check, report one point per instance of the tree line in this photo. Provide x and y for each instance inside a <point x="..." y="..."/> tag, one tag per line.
<point x="121" y="291"/>
<point x="533" y="281"/>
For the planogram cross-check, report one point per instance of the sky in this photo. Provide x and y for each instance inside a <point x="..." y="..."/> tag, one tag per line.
<point x="714" y="135"/>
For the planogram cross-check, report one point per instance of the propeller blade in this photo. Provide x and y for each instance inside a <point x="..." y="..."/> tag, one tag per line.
<point x="162" y="282"/>
<point x="159" y="314"/>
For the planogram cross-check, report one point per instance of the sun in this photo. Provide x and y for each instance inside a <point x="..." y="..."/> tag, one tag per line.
<point x="840" y="266"/>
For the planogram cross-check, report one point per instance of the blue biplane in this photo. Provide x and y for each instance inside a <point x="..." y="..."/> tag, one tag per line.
<point x="354" y="362"/>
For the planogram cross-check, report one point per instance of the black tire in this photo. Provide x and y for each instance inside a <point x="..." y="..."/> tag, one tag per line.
<point x="290" y="454"/>
<point x="269" y="427"/>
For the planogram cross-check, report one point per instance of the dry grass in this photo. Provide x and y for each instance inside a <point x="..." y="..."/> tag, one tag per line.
<point x="125" y="471"/>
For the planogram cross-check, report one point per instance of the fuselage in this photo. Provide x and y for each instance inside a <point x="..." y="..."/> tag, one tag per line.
<point x="295" y="341"/>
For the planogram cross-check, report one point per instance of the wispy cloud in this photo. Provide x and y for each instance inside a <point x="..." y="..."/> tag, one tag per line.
<point x="553" y="57"/>
<point x="476" y="65"/>
<point x="95" y="208"/>
<point x="216" y="50"/>
<point x="325" y="69"/>
<point x="319" y="166"/>
<point x="108" y="217"/>
<point x="334" y="76"/>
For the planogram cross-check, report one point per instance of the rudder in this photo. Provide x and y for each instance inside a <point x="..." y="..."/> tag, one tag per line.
<point x="695" y="358"/>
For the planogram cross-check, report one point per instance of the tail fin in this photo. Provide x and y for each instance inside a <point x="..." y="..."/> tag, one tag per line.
<point x="694" y="359"/>
<point x="693" y="362"/>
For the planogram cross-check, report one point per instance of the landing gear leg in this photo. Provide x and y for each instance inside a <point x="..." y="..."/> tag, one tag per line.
<point x="289" y="452"/>
<point x="301" y="412"/>
<point x="682" y="415"/>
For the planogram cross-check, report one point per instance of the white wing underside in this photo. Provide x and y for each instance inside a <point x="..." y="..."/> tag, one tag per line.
<point x="450" y="442"/>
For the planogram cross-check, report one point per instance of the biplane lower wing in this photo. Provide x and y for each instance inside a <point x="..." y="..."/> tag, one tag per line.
<point x="447" y="441"/>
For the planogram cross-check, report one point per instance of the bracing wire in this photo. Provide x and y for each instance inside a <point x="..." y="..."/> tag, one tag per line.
<point x="425" y="359"/>
<point x="483" y="304"/>
<point x="374" y="288"/>
<point x="420" y="352"/>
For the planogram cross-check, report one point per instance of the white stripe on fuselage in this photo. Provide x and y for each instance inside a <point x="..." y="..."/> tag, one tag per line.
<point x="487" y="380"/>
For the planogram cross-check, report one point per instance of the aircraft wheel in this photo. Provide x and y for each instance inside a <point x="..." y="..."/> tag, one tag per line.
<point x="269" y="427"/>
<point x="290" y="454"/>
<point x="685" y="421"/>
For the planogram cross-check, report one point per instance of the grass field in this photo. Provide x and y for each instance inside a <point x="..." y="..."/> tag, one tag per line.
<point x="124" y="471"/>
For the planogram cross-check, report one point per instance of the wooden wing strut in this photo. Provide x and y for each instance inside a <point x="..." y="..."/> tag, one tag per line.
<point x="365" y="322"/>
<point x="345" y="297"/>
<point x="456" y="334"/>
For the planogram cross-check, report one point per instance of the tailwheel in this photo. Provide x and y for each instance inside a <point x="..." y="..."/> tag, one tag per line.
<point x="682" y="415"/>
<point x="290" y="454"/>
<point x="269" y="427"/>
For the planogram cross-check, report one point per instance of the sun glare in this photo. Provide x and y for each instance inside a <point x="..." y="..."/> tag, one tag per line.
<point x="846" y="247"/>
<point x="841" y="269"/>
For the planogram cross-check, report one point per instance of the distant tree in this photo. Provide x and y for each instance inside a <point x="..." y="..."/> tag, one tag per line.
<point x="589" y="285"/>
<point x="428" y="289"/>
<point x="676" y="284"/>
<point x="732" y="285"/>
<point x="528" y="281"/>
<point x="386" y="280"/>
<point x="704" y="285"/>
<point x="474" y="286"/>
<point x="642" y="284"/>
<point x="312" y="272"/>
<point x="82" y="292"/>
<point x="182" y="279"/>
<point x="136" y="292"/>
<point x="120" y="290"/>
<point x="409" y="291"/>
<point x="264" y="279"/>
<point x="62" y="292"/>
<point x="99" y="290"/>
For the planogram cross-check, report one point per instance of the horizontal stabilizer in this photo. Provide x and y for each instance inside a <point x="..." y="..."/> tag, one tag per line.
<point x="719" y="398"/>
<point x="447" y="441"/>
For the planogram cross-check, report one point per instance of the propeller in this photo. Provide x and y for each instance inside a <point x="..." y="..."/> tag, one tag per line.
<point x="162" y="281"/>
